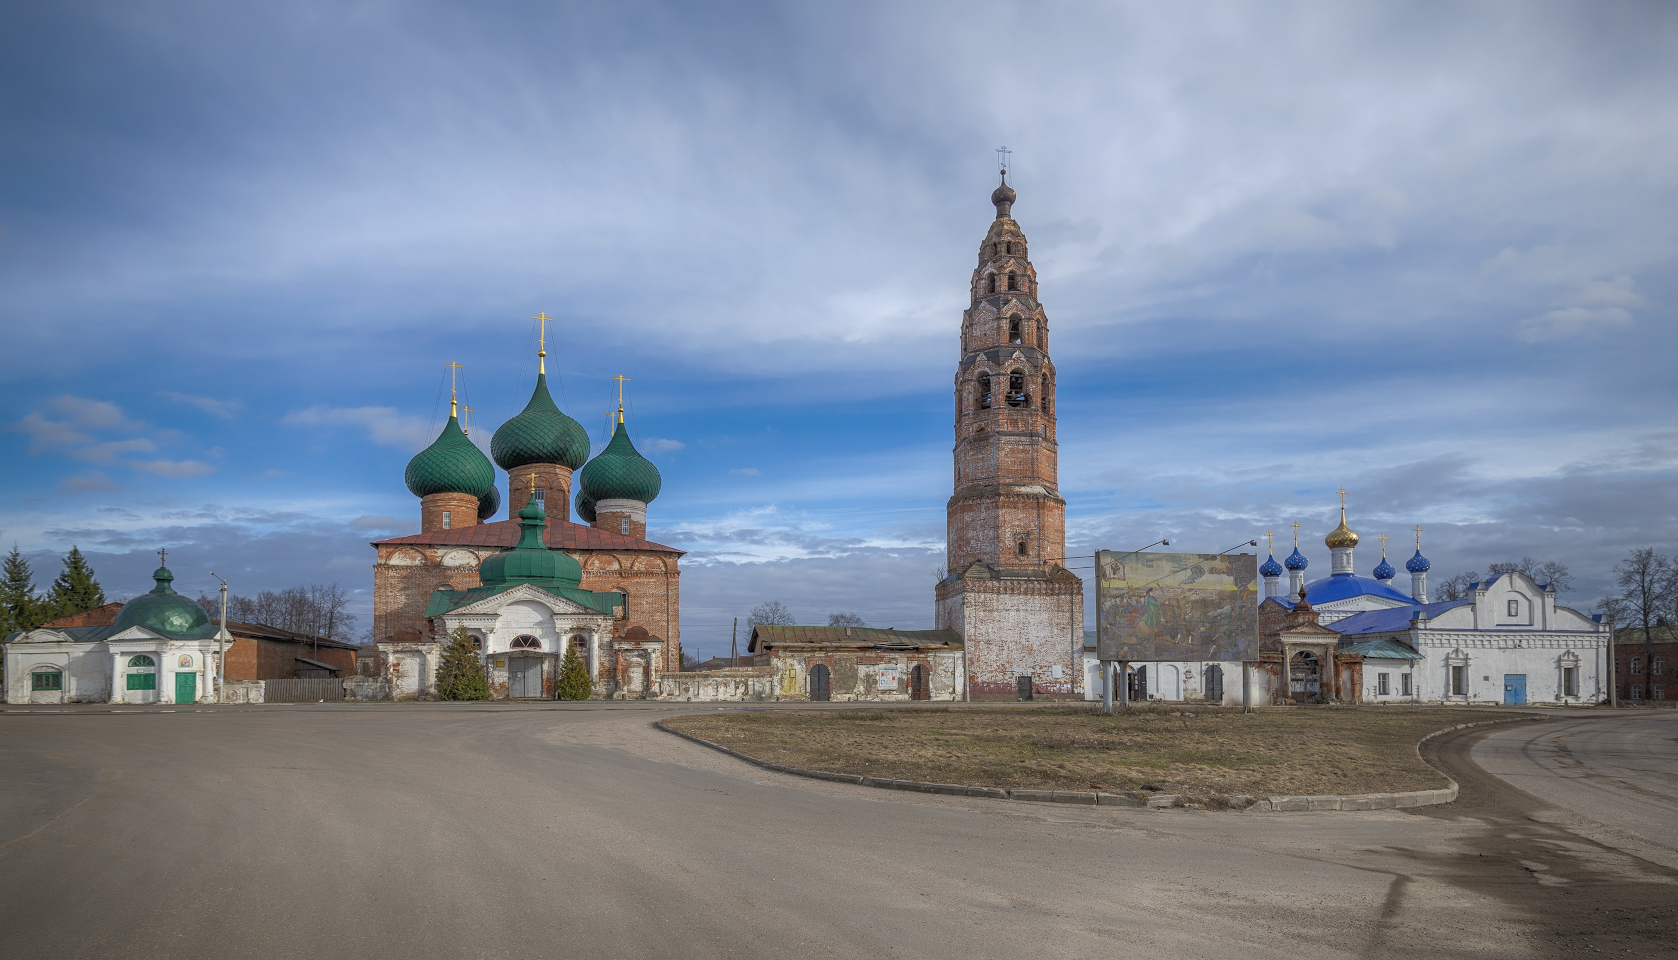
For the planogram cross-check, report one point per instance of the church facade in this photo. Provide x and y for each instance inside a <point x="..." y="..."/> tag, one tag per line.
<point x="1006" y="592"/>
<point x="621" y="610"/>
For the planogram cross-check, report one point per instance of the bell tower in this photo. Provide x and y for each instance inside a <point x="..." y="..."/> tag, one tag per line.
<point x="1019" y="610"/>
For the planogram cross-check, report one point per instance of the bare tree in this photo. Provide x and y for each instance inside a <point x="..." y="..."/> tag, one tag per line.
<point x="1646" y="581"/>
<point x="1455" y="588"/>
<point x="845" y="620"/>
<point x="1548" y="573"/>
<point x="770" y="612"/>
<point x="316" y="610"/>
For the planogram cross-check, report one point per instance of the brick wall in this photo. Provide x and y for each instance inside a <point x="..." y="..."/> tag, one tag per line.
<point x="555" y="481"/>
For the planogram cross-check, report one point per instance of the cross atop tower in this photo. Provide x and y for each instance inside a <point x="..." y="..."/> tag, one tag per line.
<point x="1269" y="541"/>
<point x="466" y="421"/>
<point x="454" y="369"/>
<point x="1296" y="534"/>
<point x="1383" y="546"/>
<point x="163" y="558"/>
<point x="1342" y="498"/>
<point x="1418" y="529"/>
<point x="1002" y="161"/>
<point x="542" y="320"/>
<point x="621" y="379"/>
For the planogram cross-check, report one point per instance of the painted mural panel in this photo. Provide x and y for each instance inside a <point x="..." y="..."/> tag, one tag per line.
<point x="1176" y="606"/>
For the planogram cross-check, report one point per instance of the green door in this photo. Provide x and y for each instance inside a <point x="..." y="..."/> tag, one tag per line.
<point x="186" y="687"/>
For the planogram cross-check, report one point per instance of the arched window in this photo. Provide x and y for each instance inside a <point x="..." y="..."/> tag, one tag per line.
<point x="1014" y="330"/>
<point x="993" y="283"/>
<point x="1010" y="249"/>
<point x="47" y="679"/>
<point x="142" y="672"/>
<point x="541" y="497"/>
<point x="1021" y="548"/>
<point x="477" y="643"/>
<point x="526" y="642"/>
<point x="141" y="660"/>
<point x="1011" y="282"/>
<point x="1636" y="666"/>
<point x="1016" y="389"/>
<point x="984" y="393"/>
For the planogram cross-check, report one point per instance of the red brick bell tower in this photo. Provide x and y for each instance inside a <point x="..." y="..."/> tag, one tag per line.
<point x="1019" y="610"/>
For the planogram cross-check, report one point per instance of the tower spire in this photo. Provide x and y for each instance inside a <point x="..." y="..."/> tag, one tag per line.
<point x="621" y="379"/>
<point x="454" y="407"/>
<point x="543" y="320"/>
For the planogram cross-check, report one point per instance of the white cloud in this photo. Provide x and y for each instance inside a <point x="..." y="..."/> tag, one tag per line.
<point x="225" y="409"/>
<point x="174" y="468"/>
<point x="1571" y="322"/>
<point x="90" y="482"/>
<point x="661" y="445"/>
<point x="384" y="425"/>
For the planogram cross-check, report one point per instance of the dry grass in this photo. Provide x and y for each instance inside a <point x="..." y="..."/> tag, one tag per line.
<point x="1204" y="753"/>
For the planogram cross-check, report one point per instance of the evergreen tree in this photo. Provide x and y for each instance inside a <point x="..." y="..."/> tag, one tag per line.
<point x="573" y="677"/>
<point x="461" y="674"/>
<point x="76" y="588"/>
<point x="20" y="608"/>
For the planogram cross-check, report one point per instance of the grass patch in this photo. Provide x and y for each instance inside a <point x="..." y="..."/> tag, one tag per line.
<point x="1196" y="752"/>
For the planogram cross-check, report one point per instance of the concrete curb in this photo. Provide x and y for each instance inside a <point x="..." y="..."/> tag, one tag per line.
<point x="1361" y="801"/>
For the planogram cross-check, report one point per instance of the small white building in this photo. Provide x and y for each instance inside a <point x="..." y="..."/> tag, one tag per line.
<point x="161" y="649"/>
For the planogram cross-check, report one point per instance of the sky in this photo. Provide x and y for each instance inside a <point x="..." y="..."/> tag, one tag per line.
<point x="1424" y="252"/>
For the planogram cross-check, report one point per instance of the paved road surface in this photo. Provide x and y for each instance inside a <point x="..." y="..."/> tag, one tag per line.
<point x="578" y="831"/>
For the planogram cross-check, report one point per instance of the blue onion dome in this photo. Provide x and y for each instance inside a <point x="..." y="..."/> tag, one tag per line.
<point x="1296" y="560"/>
<point x="585" y="506"/>
<point x="166" y="612"/>
<point x="1418" y="563"/>
<point x="540" y="434"/>
<point x="489" y="503"/>
<point x="620" y="472"/>
<point x="452" y="464"/>
<point x="1385" y="571"/>
<point x="1271" y="568"/>
<point x="531" y="561"/>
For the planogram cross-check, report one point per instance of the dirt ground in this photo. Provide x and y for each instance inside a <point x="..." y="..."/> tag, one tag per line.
<point x="1195" y="752"/>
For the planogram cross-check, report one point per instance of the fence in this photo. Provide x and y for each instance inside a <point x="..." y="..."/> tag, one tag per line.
<point x="303" y="691"/>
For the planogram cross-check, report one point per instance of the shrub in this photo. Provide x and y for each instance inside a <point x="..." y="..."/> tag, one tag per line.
<point x="573" y="677"/>
<point x="461" y="674"/>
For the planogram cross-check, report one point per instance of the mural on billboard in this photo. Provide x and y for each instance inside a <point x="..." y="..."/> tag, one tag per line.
<point x="1176" y="606"/>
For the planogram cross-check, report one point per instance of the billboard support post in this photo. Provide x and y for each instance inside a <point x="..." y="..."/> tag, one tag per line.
<point x="1246" y="687"/>
<point x="1106" y="688"/>
<point x="1124" y="683"/>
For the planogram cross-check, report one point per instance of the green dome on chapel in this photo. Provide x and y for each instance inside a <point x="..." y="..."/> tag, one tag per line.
<point x="452" y="464"/>
<point x="540" y="434"/>
<point x="165" y="611"/>
<point x="620" y="472"/>
<point x="531" y="561"/>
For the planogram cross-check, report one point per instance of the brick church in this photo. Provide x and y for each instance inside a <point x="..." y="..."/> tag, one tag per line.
<point x="529" y="586"/>
<point x="1020" y="611"/>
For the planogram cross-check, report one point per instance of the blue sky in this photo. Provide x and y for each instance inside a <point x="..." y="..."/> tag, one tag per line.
<point x="1420" y="251"/>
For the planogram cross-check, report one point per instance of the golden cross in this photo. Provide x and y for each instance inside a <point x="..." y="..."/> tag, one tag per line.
<point x="1296" y="534"/>
<point x="454" y="368"/>
<point x="1383" y="546"/>
<point x="542" y="341"/>
<point x="621" y="379"/>
<point x="466" y="422"/>
<point x="1269" y="542"/>
<point x="1418" y="538"/>
<point x="1342" y="496"/>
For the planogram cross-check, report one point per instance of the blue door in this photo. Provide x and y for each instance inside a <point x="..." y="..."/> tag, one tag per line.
<point x="1514" y="689"/>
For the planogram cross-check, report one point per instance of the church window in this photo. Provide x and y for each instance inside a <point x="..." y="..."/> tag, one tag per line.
<point x="142" y="673"/>
<point x="526" y="642"/>
<point x="1570" y="681"/>
<point x="1637" y="666"/>
<point x="993" y="283"/>
<point x="141" y="661"/>
<point x="625" y="525"/>
<point x="1012" y="282"/>
<point x="1637" y="691"/>
<point x="1010" y="249"/>
<point x="1459" y="680"/>
<point x="46" y="680"/>
<point x="1020" y="548"/>
<point x="446" y="518"/>
<point x="984" y="393"/>
<point x="1014" y="330"/>
<point x="1404" y="684"/>
<point x="1016" y="389"/>
<point x="541" y="497"/>
<point x="1657" y="666"/>
<point x="1514" y="608"/>
<point x="1383" y="686"/>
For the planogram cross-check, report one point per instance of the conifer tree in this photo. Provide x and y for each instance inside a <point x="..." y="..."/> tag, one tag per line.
<point x="461" y="674"/>
<point x="76" y="588"/>
<point x="573" y="677"/>
<point x="20" y="608"/>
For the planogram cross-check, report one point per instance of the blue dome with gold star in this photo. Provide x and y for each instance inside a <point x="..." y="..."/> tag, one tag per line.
<point x="1271" y="568"/>
<point x="1296" y="560"/>
<point x="1385" y="571"/>
<point x="1418" y="563"/>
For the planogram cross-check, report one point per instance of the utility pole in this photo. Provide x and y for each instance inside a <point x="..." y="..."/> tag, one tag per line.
<point x="1613" y="667"/>
<point x="734" y="643"/>
<point x="221" y="643"/>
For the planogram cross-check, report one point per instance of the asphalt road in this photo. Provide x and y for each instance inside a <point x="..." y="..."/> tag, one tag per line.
<point x="441" y="830"/>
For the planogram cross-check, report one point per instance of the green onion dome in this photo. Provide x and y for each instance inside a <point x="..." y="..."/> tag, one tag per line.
<point x="489" y="503"/>
<point x="452" y="464"/>
<point x="620" y="473"/>
<point x="585" y="506"/>
<point x="531" y="561"/>
<point x="540" y="434"/>
<point x="165" y="611"/>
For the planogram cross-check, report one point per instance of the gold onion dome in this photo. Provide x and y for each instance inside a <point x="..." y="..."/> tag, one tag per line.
<point x="1341" y="536"/>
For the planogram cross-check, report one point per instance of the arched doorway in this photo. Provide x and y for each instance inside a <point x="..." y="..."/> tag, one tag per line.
<point x="821" y="682"/>
<point x="1305" y="677"/>
<point x="919" y="688"/>
<point x="1214" y="684"/>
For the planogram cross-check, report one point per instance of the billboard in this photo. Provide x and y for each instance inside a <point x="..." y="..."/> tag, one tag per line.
<point x="1176" y="606"/>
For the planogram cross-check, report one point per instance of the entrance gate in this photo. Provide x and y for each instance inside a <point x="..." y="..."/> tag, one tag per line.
<point x="918" y="686"/>
<point x="524" y="678"/>
<point x="1215" y="683"/>
<point x="821" y="682"/>
<point x="1305" y="679"/>
<point x="1514" y="689"/>
<point x="186" y="687"/>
